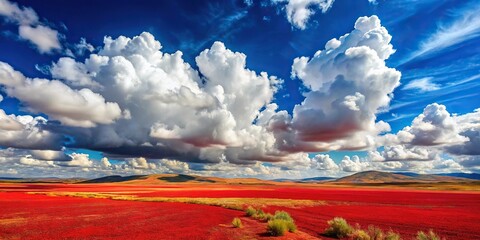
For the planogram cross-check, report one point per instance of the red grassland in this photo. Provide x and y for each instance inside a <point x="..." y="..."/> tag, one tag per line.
<point x="454" y="215"/>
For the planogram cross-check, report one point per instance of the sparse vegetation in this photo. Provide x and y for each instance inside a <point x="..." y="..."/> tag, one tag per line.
<point x="339" y="228"/>
<point x="277" y="227"/>
<point x="237" y="223"/>
<point x="250" y="211"/>
<point x="259" y="215"/>
<point x="359" y="234"/>
<point x="281" y="222"/>
<point x="229" y="203"/>
<point x="283" y="215"/>
<point x="375" y="233"/>
<point x="277" y="224"/>
<point x="427" y="236"/>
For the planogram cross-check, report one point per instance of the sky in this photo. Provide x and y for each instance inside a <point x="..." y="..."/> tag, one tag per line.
<point x="246" y="88"/>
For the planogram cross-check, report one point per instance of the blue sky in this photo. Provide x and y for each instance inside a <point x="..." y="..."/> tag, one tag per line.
<point x="436" y="51"/>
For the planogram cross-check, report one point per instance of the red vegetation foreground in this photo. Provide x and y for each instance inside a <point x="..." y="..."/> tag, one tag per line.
<point x="25" y="216"/>
<point x="453" y="215"/>
<point x="42" y="217"/>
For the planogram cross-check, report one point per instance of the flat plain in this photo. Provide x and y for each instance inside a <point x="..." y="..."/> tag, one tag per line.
<point x="152" y="208"/>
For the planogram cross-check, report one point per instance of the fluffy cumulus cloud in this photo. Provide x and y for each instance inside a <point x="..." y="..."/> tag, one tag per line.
<point x="354" y="164"/>
<point x="349" y="83"/>
<point x="324" y="162"/>
<point x="140" y="163"/>
<point x="83" y="108"/>
<point x="434" y="126"/>
<point x="299" y="11"/>
<point x="76" y="74"/>
<point x="444" y="140"/>
<point x="27" y="132"/>
<point x="402" y="152"/>
<point x="468" y="126"/>
<point x="151" y="101"/>
<point x="31" y="29"/>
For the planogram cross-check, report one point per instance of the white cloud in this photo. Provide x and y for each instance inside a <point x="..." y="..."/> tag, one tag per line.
<point x="76" y="74"/>
<point x="403" y="153"/>
<point x="17" y="14"/>
<point x="349" y="84"/>
<point x="82" y="47"/>
<point x="26" y="132"/>
<point x="175" y="166"/>
<point x="468" y="125"/>
<point x="324" y="162"/>
<point x="44" y="38"/>
<point x="422" y="85"/>
<point x="82" y="108"/>
<point x="433" y="135"/>
<point x="50" y="155"/>
<point x="34" y="162"/>
<point x="435" y="126"/>
<point x="79" y="160"/>
<point x="135" y="74"/>
<point x="299" y="11"/>
<point x="105" y="163"/>
<point x="140" y="163"/>
<point x="354" y="164"/>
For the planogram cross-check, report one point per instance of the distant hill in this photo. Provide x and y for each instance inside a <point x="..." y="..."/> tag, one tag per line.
<point x="175" y="178"/>
<point x="373" y="177"/>
<point x="41" y="180"/>
<point x="475" y="176"/>
<point x="387" y="177"/>
<point x="317" y="179"/>
<point x="304" y="180"/>
<point x="115" y="178"/>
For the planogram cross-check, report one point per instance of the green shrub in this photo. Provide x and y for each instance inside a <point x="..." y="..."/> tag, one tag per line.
<point x="338" y="227"/>
<point x="283" y="215"/>
<point x="427" y="236"/>
<point x="279" y="223"/>
<point x="237" y="223"/>
<point x="277" y="227"/>
<point x="391" y="235"/>
<point x="359" y="234"/>
<point x="250" y="211"/>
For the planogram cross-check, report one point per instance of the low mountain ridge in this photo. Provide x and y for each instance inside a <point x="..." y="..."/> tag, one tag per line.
<point x="387" y="177"/>
<point x="176" y="179"/>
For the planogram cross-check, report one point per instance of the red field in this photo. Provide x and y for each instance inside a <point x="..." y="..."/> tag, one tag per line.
<point x="454" y="215"/>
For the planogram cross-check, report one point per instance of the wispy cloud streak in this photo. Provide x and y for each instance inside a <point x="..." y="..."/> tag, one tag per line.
<point x="464" y="27"/>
